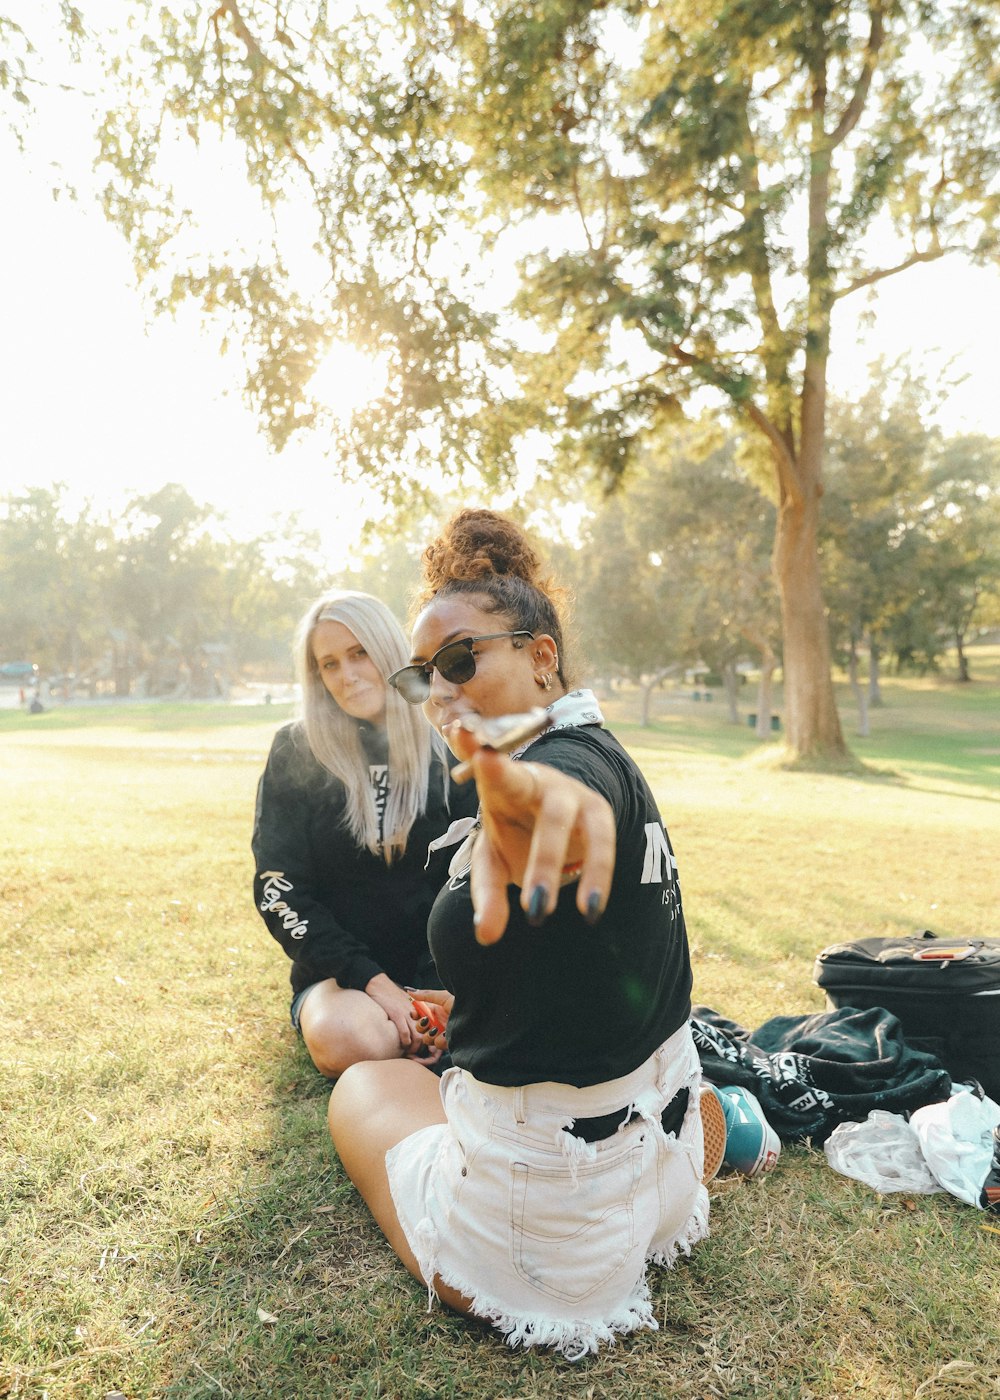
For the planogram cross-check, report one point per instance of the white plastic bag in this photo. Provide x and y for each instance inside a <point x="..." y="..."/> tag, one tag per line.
<point x="956" y="1139"/>
<point x="884" y="1152"/>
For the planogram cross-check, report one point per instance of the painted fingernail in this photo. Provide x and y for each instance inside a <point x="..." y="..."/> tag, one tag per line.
<point x="594" y="907"/>
<point x="536" y="905"/>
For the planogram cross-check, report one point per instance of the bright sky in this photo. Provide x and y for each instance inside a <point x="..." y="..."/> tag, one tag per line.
<point x="93" y="396"/>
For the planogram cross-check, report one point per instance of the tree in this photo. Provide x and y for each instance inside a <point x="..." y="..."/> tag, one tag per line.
<point x="266" y="585"/>
<point x="910" y="550"/>
<point x="872" y="554"/>
<point x="54" y="568"/>
<point x="959" y="515"/>
<point x="722" y="168"/>
<point x="662" y="584"/>
<point x="167" y="589"/>
<point x="694" y="493"/>
<point x="20" y="62"/>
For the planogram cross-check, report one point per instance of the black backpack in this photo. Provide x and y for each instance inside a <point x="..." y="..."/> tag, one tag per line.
<point x="945" y="992"/>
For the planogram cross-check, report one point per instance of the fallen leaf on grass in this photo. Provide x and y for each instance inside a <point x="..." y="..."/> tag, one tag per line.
<point x="961" y="1374"/>
<point x="266" y="1317"/>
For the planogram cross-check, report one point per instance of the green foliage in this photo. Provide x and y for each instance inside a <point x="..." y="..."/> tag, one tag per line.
<point x="17" y="49"/>
<point x="55" y="570"/>
<point x="110" y="600"/>
<point x="691" y="188"/>
<point x="662" y="160"/>
<point x="911" y="559"/>
<point x="659" y="579"/>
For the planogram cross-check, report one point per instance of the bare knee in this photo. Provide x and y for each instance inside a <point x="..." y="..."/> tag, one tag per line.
<point x="356" y="1089"/>
<point x="336" y="1041"/>
<point x="333" y="1055"/>
<point x="375" y="1104"/>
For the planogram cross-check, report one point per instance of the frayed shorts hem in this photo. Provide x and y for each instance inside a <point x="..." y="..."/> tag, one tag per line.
<point x="560" y="1231"/>
<point x="580" y="1337"/>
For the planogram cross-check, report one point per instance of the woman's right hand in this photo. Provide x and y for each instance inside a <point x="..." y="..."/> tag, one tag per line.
<point x="540" y="827"/>
<point x="443" y="1001"/>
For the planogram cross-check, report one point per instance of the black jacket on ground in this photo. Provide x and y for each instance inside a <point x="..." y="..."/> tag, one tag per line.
<point x="337" y="909"/>
<point x="812" y="1072"/>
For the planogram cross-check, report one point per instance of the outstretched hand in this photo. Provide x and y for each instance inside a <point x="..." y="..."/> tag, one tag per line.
<point x="541" y="829"/>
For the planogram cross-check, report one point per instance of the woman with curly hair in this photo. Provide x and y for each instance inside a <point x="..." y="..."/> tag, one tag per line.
<point x="565" y="1146"/>
<point x="351" y="796"/>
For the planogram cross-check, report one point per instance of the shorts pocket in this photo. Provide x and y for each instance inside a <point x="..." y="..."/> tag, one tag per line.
<point x="567" y="1240"/>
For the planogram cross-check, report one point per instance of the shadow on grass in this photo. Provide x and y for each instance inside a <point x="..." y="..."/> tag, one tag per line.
<point x="908" y="760"/>
<point x="290" y="1290"/>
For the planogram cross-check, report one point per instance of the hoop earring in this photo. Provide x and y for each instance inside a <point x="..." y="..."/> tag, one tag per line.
<point x="544" y="681"/>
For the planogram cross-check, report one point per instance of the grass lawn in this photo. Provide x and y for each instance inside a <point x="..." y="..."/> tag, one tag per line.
<point x="173" y="1221"/>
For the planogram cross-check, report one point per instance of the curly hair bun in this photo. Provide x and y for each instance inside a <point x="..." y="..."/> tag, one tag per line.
<point x="476" y="544"/>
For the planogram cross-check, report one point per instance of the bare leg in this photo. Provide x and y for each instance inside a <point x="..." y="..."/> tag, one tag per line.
<point x="372" y="1107"/>
<point x="341" y="1026"/>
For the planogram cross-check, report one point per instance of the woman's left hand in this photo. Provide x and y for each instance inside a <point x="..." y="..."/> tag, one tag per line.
<point x="539" y="825"/>
<point x="396" y="1004"/>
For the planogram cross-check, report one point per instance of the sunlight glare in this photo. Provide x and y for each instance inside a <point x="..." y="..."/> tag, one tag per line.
<point x="347" y="378"/>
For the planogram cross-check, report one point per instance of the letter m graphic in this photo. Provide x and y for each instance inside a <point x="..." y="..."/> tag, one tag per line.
<point x="657" y="851"/>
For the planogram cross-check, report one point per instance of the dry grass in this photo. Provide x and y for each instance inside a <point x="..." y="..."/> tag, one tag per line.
<point x="166" y="1184"/>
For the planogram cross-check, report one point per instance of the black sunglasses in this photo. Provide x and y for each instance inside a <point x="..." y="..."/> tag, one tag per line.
<point x="454" y="661"/>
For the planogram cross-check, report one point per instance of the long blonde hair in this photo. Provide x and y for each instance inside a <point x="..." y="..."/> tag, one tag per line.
<point x="335" y="738"/>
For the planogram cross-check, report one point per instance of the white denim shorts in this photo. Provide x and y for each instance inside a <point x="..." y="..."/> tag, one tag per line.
<point x="549" y="1235"/>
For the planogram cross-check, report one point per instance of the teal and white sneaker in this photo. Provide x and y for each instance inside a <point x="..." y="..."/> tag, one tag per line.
<point x="752" y="1145"/>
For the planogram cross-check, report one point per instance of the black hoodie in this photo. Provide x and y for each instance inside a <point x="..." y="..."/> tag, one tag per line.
<point x="337" y="909"/>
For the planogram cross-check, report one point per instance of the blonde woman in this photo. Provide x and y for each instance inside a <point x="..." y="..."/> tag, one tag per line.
<point x="353" y="792"/>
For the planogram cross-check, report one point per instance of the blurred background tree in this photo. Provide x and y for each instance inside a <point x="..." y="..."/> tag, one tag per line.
<point x="693" y="190"/>
<point x="687" y="193"/>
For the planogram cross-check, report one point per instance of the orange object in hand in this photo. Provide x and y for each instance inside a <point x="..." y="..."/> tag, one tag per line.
<point x="435" y="1026"/>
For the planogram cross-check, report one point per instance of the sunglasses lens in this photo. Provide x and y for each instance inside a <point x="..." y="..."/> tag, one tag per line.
<point x="413" y="684"/>
<point x="456" y="663"/>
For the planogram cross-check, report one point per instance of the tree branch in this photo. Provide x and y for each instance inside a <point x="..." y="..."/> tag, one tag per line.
<point x="852" y="112"/>
<point x="785" y="464"/>
<point x="775" y="353"/>
<point x="880" y="274"/>
<point x="257" y="55"/>
<point x="230" y="8"/>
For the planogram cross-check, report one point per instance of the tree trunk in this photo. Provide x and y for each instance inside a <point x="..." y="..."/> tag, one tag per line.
<point x="765" y="686"/>
<point x="731" y="682"/>
<point x="858" y="690"/>
<point x="875" y="700"/>
<point x="656" y="679"/>
<point x="812" y="724"/>
<point x="963" y="660"/>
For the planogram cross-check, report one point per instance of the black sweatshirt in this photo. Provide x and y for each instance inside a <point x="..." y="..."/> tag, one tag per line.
<point x="337" y="909"/>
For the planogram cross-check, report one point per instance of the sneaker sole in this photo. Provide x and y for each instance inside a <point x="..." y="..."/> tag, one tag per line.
<point x="713" y="1124"/>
